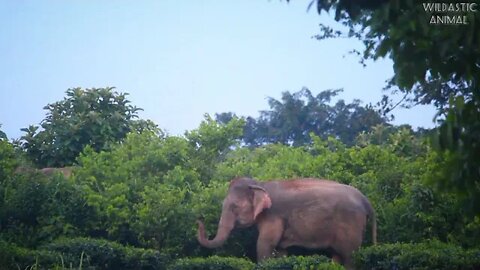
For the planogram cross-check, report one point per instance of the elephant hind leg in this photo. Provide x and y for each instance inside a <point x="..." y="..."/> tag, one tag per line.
<point x="348" y="263"/>
<point x="343" y="259"/>
<point x="337" y="258"/>
<point x="343" y="253"/>
<point x="346" y="243"/>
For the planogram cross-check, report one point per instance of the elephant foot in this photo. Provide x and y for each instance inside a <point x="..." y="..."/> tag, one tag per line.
<point x="337" y="259"/>
<point x="277" y="253"/>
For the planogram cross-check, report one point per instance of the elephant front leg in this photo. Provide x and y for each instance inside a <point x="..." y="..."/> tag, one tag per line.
<point x="264" y="250"/>
<point x="270" y="231"/>
<point x="280" y="252"/>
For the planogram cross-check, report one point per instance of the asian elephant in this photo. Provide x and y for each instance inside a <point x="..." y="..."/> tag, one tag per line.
<point x="310" y="213"/>
<point x="66" y="171"/>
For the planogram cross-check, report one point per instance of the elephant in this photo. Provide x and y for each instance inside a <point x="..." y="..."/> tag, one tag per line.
<point x="309" y="213"/>
<point x="66" y="171"/>
<point x="49" y="171"/>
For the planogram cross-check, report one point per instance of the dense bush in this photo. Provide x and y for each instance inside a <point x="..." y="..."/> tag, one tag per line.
<point x="98" y="117"/>
<point x="284" y="263"/>
<point x="94" y="253"/>
<point x="393" y="181"/>
<point x="147" y="192"/>
<point x="212" y="263"/>
<point x="315" y="262"/>
<point x="108" y="255"/>
<point x="38" y="209"/>
<point x="426" y="255"/>
<point x="8" y="160"/>
<point x="14" y="257"/>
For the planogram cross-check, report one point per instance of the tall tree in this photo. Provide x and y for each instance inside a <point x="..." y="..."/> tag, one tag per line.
<point x="433" y="64"/>
<point x="95" y="117"/>
<point x="3" y="136"/>
<point x="291" y="119"/>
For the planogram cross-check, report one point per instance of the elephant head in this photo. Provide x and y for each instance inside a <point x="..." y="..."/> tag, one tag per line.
<point x="245" y="200"/>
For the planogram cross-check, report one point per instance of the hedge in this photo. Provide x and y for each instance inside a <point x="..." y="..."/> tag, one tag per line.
<point x="109" y="255"/>
<point x="102" y="254"/>
<point x="15" y="257"/>
<point x="229" y="263"/>
<point x="315" y="262"/>
<point x="89" y="253"/>
<point x="426" y="255"/>
<point x="212" y="263"/>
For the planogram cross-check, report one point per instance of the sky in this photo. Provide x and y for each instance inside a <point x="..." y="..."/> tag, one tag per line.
<point x="178" y="60"/>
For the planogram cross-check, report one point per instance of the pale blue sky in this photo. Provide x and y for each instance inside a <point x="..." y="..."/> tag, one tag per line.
<point x="177" y="59"/>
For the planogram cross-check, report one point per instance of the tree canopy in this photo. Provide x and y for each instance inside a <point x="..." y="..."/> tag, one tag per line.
<point x="97" y="117"/>
<point x="433" y="64"/>
<point x="296" y="116"/>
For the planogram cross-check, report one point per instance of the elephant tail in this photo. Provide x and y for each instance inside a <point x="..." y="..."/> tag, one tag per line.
<point x="373" y="219"/>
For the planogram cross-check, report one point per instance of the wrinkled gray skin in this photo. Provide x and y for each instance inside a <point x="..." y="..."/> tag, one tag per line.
<point x="66" y="171"/>
<point x="310" y="213"/>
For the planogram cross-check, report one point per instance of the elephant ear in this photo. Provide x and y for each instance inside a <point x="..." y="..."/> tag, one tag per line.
<point x="261" y="200"/>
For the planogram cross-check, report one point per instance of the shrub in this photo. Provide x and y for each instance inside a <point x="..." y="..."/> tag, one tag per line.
<point x="7" y="159"/>
<point x="35" y="209"/>
<point x="315" y="262"/>
<point x="472" y="258"/>
<point x="89" y="253"/>
<point x="212" y="263"/>
<point x="107" y="255"/>
<point x="427" y="255"/>
<point x="15" y="257"/>
<point x="231" y="263"/>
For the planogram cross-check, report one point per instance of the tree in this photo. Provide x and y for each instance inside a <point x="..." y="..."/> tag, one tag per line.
<point x="97" y="117"/>
<point x="433" y="64"/>
<point x="8" y="160"/>
<point x="3" y="136"/>
<point x="292" y="119"/>
<point x="211" y="142"/>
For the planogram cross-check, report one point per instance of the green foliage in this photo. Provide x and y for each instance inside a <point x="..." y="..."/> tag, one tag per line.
<point x="459" y="137"/>
<point x="14" y="257"/>
<point x="3" y="136"/>
<point x="293" y="262"/>
<point x="315" y="262"/>
<point x="392" y="178"/>
<point x="212" y="263"/>
<point x="136" y="188"/>
<point x="8" y="160"/>
<point x="415" y="47"/>
<point x="107" y="255"/>
<point x="76" y="252"/>
<point x="292" y="119"/>
<point x="426" y="255"/>
<point x="36" y="208"/>
<point x="400" y="139"/>
<point x="148" y="190"/>
<point x="429" y="68"/>
<point x="211" y="142"/>
<point x="263" y="163"/>
<point x="96" y="117"/>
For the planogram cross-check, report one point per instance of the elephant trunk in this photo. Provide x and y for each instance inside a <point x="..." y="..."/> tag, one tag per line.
<point x="225" y="226"/>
